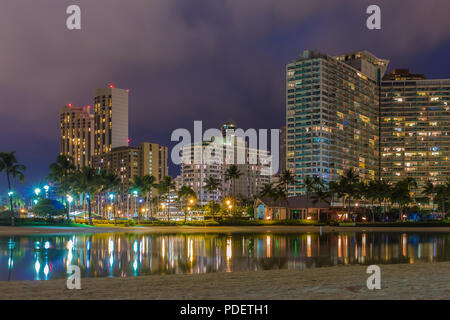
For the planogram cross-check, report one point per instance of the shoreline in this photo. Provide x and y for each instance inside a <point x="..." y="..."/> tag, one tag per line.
<point x="50" y="230"/>
<point x="427" y="281"/>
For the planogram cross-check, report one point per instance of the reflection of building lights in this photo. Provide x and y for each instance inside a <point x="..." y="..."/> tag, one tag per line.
<point x="46" y="270"/>
<point x="47" y="245"/>
<point x="268" y="246"/>
<point x="404" y="243"/>
<point x="37" y="266"/>
<point x="364" y="244"/>
<point x="308" y="245"/>
<point x="110" y="245"/>
<point x="339" y="247"/>
<point x="229" y="253"/>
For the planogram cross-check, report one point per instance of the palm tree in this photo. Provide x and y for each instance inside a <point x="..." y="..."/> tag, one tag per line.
<point x="372" y="193"/>
<point x="401" y="194"/>
<point x="111" y="183"/>
<point x="86" y="181"/>
<point x="349" y="182"/>
<point x="321" y="194"/>
<point x="286" y="179"/>
<point x="430" y="191"/>
<point x="212" y="184"/>
<point x="233" y="173"/>
<point x="442" y="194"/>
<point x="268" y="190"/>
<point x="335" y="190"/>
<point x="308" y="184"/>
<point x="9" y="164"/>
<point x="184" y="195"/>
<point x="144" y="184"/>
<point x="138" y="184"/>
<point x="61" y="172"/>
<point x="149" y="184"/>
<point x="165" y="187"/>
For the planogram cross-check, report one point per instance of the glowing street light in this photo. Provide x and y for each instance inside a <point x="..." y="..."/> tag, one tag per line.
<point x="37" y="191"/>
<point x="10" y="193"/>
<point x="46" y="187"/>
<point x="69" y="200"/>
<point x="135" y="194"/>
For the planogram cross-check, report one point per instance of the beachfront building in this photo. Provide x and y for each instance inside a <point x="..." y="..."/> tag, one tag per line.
<point x="76" y="134"/>
<point x="415" y="128"/>
<point x="332" y="116"/>
<point x="129" y="162"/>
<point x="299" y="207"/>
<point x="111" y="119"/>
<point x="198" y="164"/>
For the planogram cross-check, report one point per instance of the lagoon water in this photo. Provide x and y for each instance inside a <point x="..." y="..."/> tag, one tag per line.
<point x="41" y="257"/>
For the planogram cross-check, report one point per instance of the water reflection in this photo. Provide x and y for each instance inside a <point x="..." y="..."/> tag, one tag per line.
<point x="122" y="255"/>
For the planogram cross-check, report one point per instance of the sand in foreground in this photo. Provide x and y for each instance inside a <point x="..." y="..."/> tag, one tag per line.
<point x="401" y="281"/>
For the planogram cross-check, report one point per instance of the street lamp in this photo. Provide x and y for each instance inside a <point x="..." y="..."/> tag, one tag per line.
<point x="10" y="193"/>
<point x="191" y="202"/>
<point x="69" y="200"/>
<point x="111" y="198"/>
<point x="135" y="194"/>
<point x="46" y="187"/>
<point x="37" y="191"/>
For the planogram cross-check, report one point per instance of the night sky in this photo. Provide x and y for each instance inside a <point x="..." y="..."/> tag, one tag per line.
<point x="186" y="60"/>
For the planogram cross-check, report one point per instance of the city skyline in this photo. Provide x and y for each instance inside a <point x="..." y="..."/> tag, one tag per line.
<point x="178" y="76"/>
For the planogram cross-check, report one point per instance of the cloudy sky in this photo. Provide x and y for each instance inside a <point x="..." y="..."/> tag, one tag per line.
<point x="187" y="60"/>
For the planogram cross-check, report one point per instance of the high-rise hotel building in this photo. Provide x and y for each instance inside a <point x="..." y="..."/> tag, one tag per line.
<point x="343" y="112"/>
<point x="415" y="128"/>
<point x="129" y="162"/>
<point x="230" y="149"/>
<point x="111" y="119"/>
<point x="76" y="134"/>
<point x="332" y="115"/>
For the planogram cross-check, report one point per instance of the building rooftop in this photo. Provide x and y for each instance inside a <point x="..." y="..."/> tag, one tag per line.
<point x="402" y="74"/>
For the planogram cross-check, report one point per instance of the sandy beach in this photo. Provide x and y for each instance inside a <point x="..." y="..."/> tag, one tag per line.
<point x="401" y="281"/>
<point x="6" y="231"/>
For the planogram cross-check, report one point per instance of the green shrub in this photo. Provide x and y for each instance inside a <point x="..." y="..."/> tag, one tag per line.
<point x="130" y="223"/>
<point x="201" y="223"/>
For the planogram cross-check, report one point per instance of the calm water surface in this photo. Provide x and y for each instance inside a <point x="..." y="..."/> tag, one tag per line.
<point x="41" y="257"/>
